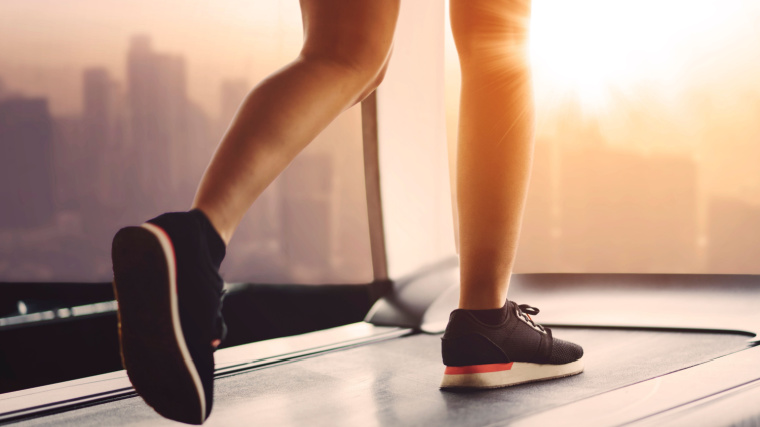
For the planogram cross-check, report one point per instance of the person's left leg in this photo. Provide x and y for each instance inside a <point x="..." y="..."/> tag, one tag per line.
<point x="346" y="49"/>
<point x="166" y="275"/>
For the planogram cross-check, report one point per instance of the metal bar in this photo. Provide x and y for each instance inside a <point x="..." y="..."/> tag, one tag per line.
<point x="372" y="185"/>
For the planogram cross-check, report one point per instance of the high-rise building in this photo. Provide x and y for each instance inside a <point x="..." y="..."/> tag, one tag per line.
<point x="539" y="235"/>
<point x="26" y="184"/>
<point x="625" y="212"/>
<point x="195" y="151"/>
<point x="158" y="110"/>
<point x="103" y="124"/>
<point x="231" y="95"/>
<point x="98" y="105"/>
<point x="68" y="135"/>
<point x="6" y="92"/>
<point x="307" y="213"/>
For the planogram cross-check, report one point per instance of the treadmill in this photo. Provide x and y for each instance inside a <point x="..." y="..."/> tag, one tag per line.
<point x="660" y="349"/>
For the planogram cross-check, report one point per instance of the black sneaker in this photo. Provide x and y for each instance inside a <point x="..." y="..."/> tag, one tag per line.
<point x="515" y="351"/>
<point x="170" y="293"/>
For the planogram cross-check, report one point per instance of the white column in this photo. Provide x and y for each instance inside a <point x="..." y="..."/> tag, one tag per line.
<point x="413" y="157"/>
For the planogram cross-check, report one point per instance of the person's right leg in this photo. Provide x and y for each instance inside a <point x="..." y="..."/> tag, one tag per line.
<point x="166" y="276"/>
<point x="489" y="341"/>
<point x="495" y="143"/>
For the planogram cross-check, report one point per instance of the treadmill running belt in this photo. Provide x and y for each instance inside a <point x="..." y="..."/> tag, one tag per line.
<point x="395" y="382"/>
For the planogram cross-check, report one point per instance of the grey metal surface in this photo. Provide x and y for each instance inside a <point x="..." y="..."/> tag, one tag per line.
<point x="396" y="383"/>
<point x="718" y="302"/>
<point x="115" y="385"/>
<point x="98" y="308"/>
<point x="661" y="395"/>
<point x="413" y="295"/>
<point x="737" y="407"/>
<point x="672" y="301"/>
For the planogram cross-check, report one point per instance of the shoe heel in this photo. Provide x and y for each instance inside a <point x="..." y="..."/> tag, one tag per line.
<point x="476" y="376"/>
<point x="153" y="348"/>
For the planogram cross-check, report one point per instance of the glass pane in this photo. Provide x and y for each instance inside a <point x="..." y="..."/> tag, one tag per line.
<point x="109" y="114"/>
<point x="647" y="137"/>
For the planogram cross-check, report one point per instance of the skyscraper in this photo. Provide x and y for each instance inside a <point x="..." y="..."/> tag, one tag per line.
<point x="158" y="110"/>
<point x="539" y="235"/>
<point x="306" y="209"/>
<point x="231" y="95"/>
<point x="624" y="212"/>
<point x="102" y="122"/>
<point x="26" y="185"/>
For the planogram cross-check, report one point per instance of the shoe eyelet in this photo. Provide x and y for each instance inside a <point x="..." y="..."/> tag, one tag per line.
<point x="525" y="320"/>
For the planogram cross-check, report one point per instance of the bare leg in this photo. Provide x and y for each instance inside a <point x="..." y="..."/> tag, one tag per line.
<point x="494" y="159"/>
<point x="495" y="143"/>
<point x="347" y="44"/>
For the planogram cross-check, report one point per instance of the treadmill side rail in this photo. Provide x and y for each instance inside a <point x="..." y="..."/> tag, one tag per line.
<point x="657" y="395"/>
<point x="115" y="385"/>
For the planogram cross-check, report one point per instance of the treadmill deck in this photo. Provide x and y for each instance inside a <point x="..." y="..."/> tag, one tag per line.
<point x="395" y="382"/>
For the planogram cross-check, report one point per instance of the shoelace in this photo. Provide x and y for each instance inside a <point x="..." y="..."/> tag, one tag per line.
<point x="529" y="310"/>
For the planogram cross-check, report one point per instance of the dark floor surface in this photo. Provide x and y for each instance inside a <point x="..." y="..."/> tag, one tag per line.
<point x="396" y="383"/>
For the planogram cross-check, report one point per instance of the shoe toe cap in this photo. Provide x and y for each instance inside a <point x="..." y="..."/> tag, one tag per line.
<point x="564" y="352"/>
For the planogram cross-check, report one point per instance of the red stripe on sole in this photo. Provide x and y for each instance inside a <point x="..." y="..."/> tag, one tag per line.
<point x="477" y="369"/>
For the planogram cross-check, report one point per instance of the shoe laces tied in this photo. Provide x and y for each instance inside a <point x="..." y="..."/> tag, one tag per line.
<point x="529" y="310"/>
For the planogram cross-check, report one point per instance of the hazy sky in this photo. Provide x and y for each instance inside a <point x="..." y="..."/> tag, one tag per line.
<point x="583" y="44"/>
<point x="220" y="39"/>
<point x="658" y="56"/>
<point x="82" y="31"/>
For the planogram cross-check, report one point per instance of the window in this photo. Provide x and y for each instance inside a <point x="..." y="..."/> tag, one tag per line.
<point x="647" y="137"/>
<point x="109" y="114"/>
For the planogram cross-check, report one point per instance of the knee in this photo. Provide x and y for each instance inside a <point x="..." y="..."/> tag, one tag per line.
<point x="361" y="61"/>
<point x="369" y="65"/>
<point x="372" y="85"/>
<point x="380" y="75"/>
<point x="487" y="28"/>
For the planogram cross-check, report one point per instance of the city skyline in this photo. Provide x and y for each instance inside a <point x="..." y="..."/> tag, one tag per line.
<point x="230" y="39"/>
<point x="140" y="147"/>
<point x="143" y="138"/>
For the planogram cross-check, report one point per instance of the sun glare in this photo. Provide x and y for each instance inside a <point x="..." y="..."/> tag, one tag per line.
<point x="589" y="49"/>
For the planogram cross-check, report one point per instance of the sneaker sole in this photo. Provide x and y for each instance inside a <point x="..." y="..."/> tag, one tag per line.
<point x="506" y="374"/>
<point x="153" y="347"/>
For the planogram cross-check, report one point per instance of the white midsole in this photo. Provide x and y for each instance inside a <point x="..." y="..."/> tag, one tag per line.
<point x="166" y="245"/>
<point x="518" y="374"/>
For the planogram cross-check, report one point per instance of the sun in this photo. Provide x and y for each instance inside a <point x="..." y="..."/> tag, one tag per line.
<point x="590" y="49"/>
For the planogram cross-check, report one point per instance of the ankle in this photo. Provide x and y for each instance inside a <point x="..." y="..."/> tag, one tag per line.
<point x="491" y="316"/>
<point x="481" y="301"/>
<point x="217" y="224"/>
<point x="217" y="246"/>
